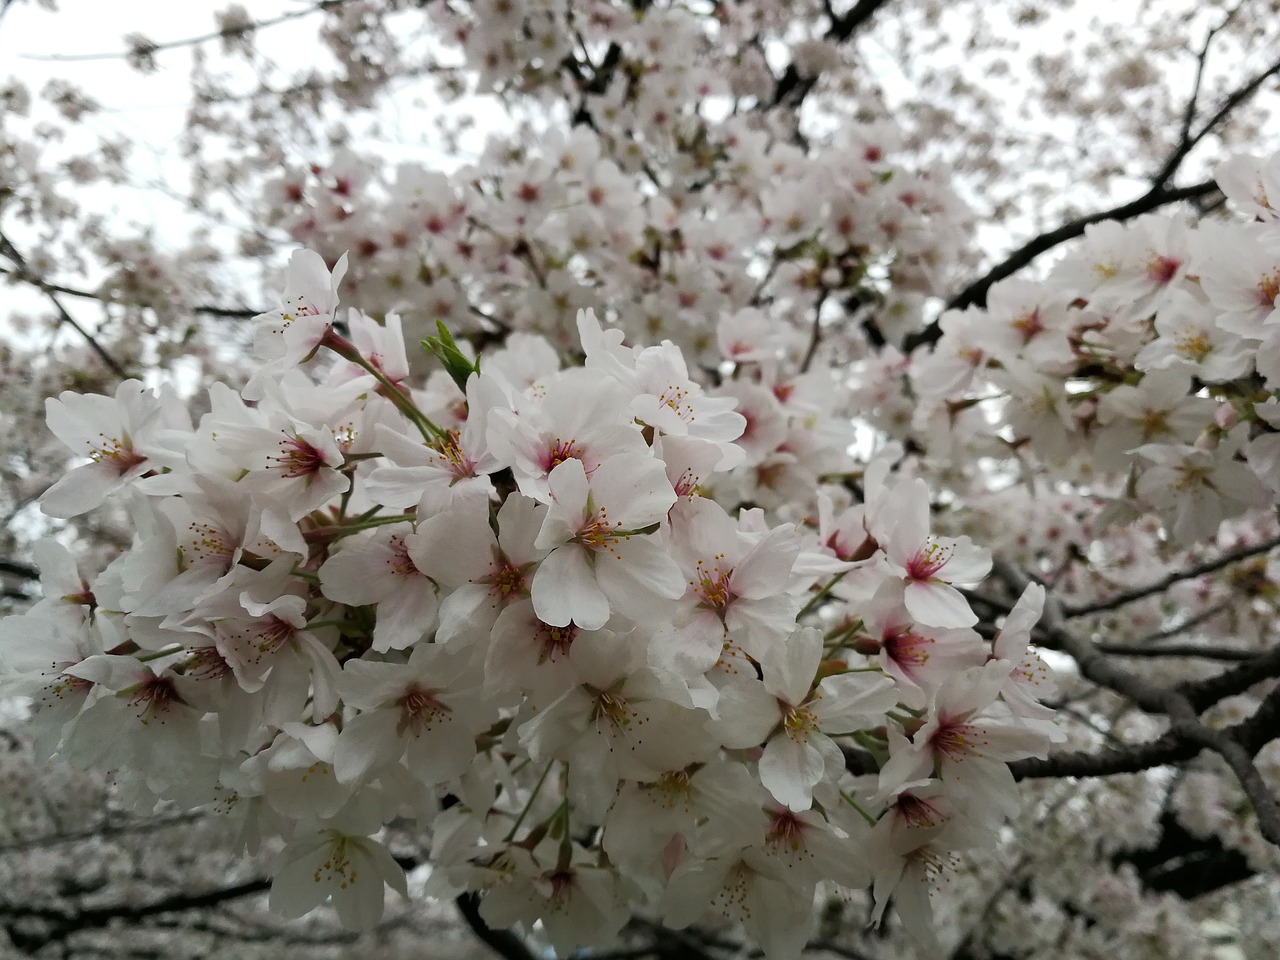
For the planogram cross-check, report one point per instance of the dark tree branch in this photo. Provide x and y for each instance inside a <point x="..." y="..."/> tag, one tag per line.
<point x="10" y="251"/>
<point x="975" y="294"/>
<point x="1225" y="109"/>
<point x="233" y="313"/>
<point x="792" y="87"/>
<point x="502" y="942"/>
<point x="1133" y="758"/>
<point x="16" y="569"/>
<point x="1163" y="584"/>
<point x="64" y="922"/>
<point x="1176" y="650"/>
<point x="1181" y="704"/>
<point x="1203" y="694"/>
<point x="193" y="41"/>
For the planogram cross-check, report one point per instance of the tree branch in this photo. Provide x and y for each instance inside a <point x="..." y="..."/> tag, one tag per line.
<point x="234" y="313"/>
<point x="975" y="294"/>
<point x="1176" y="650"/>
<point x="113" y="365"/>
<point x="191" y="41"/>
<point x="16" y="569"/>
<point x="502" y="942"/>
<point x="1139" y="593"/>
<point x="791" y="88"/>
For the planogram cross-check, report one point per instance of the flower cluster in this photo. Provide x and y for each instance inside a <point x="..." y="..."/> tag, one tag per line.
<point x="1144" y="366"/>
<point x="508" y="606"/>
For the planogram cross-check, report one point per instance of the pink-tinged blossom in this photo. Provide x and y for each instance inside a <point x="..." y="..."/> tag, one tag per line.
<point x="766" y="424"/>
<point x="267" y="644"/>
<point x="738" y="583"/>
<point x="602" y="557"/>
<point x="930" y="565"/>
<point x="1251" y="184"/>
<point x="1189" y="339"/>
<point x="793" y="716"/>
<point x="1195" y="489"/>
<point x="139" y="716"/>
<point x="1239" y="270"/>
<point x="745" y="886"/>
<point x="426" y="712"/>
<point x="663" y="396"/>
<point x="351" y="870"/>
<point x="67" y="597"/>
<point x="576" y="415"/>
<point x="379" y="567"/>
<point x="444" y="474"/>
<point x="966" y="741"/>
<point x="578" y="903"/>
<point x="621" y="720"/>
<point x="291" y="332"/>
<point x="204" y="532"/>
<point x="1032" y="679"/>
<point x="36" y="653"/>
<point x="296" y="772"/>
<point x="381" y="344"/>
<point x="525" y="654"/>
<point x="919" y="658"/>
<point x="649" y="817"/>
<point x="481" y="572"/>
<point x="911" y="848"/>
<point x="125" y="437"/>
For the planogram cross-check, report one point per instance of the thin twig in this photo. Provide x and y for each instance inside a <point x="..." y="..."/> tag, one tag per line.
<point x="189" y="41"/>
<point x="10" y="251"/>
<point x="1139" y="593"/>
<point x="235" y="313"/>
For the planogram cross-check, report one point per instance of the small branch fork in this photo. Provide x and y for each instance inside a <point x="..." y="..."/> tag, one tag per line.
<point x="10" y="251"/>
<point x="1187" y="735"/>
<point x="193" y="41"/>
<point x="1160" y="192"/>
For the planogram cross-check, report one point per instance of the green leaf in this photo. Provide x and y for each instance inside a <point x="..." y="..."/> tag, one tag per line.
<point x="445" y="349"/>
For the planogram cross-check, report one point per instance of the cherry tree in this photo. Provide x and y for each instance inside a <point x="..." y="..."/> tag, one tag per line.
<point x="663" y="527"/>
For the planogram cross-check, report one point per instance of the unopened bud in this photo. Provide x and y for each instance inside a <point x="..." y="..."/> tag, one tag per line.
<point x="867" y="646"/>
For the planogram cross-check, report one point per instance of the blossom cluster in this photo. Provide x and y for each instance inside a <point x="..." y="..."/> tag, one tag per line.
<point x="511" y="607"/>
<point x="1144" y="366"/>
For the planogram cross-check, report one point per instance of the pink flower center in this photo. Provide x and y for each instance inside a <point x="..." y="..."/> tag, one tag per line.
<point x="117" y="453"/>
<point x="908" y="649"/>
<point x="419" y="711"/>
<point x="207" y="663"/>
<point x="271" y="634"/>
<point x="1029" y="325"/>
<point x="916" y="811"/>
<point x="558" y="451"/>
<point x="154" y="696"/>
<point x="928" y="560"/>
<point x="956" y="741"/>
<point x="786" y="830"/>
<point x="400" y="563"/>
<point x="1269" y="289"/>
<point x="460" y="465"/>
<point x="207" y="543"/>
<point x="506" y="581"/>
<point x="711" y="584"/>
<point x="1162" y="270"/>
<point x="554" y="642"/>
<point x="297" y="458"/>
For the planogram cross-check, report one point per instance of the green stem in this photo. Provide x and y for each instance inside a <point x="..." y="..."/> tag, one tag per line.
<point x="338" y="531"/>
<point x="866" y="815"/>
<point x="537" y="787"/>
<point x="821" y="595"/>
<point x="401" y="400"/>
<point x="158" y="654"/>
